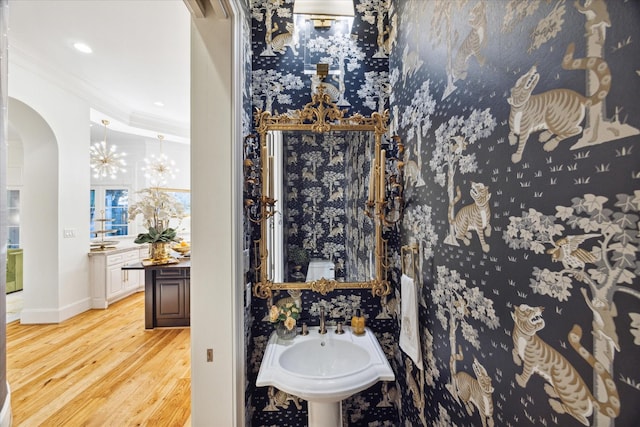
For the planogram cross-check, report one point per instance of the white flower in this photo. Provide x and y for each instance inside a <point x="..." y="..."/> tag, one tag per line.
<point x="157" y="207"/>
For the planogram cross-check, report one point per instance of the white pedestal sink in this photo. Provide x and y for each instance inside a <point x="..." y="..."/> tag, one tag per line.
<point x="324" y="369"/>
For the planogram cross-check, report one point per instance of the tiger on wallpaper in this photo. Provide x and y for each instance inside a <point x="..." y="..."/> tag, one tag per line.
<point x="471" y="45"/>
<point x="476" y="391"/>
<point x="279" y="398"/>
<point x="567" y="391"/>
<point x="472" y="217"/>
<point x="280" y="42"/>
<point x="557" y="112"/>
<point x="331" y="90"/>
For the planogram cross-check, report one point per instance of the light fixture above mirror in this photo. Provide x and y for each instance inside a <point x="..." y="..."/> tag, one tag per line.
<point x="324" y="12"/>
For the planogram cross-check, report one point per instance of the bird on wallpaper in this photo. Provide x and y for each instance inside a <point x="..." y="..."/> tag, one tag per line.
<point x="566" y="250"/>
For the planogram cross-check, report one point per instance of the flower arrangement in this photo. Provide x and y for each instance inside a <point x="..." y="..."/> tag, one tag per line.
<point x="287" y="313"/>
<point x="157" y="207"/>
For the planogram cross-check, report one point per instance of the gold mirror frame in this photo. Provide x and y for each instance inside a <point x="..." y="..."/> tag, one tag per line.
<point x="319" y="116"/>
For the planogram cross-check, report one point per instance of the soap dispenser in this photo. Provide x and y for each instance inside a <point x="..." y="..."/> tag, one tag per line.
<point x="357" y="323"/>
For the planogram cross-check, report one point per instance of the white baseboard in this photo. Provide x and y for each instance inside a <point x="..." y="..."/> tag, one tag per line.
<point x="6" y="416"/>
<point x="42" y="316"/>
<point x="99" y="303"/>
<point x="68" y="311"/>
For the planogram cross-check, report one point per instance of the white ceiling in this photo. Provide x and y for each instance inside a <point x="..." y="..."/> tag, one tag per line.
<point x="140" y="56"/>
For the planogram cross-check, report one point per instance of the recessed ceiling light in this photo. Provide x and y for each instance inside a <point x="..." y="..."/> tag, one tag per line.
<point x="159" y="104"/>
<point x="82" y="47"/>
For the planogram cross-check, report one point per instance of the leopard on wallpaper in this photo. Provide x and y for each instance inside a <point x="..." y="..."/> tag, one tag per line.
<point x="540" y="269"/>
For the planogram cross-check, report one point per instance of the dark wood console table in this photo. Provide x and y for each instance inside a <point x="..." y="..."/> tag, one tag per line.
<point x="166" y="294"/>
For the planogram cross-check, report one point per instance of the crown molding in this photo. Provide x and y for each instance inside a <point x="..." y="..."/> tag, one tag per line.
<point x="100" y="101"/>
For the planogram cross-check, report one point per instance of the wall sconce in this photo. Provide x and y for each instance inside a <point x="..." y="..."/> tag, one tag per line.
<point x="387" y="183"/>
<point x="324" y="12"/>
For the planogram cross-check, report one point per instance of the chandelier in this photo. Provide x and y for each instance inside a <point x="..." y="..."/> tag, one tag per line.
<point x="159" y="169"/>
<point x="105" y="161"/>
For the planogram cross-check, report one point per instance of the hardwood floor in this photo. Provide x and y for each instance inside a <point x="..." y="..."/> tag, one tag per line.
<point x="100" y="368"/>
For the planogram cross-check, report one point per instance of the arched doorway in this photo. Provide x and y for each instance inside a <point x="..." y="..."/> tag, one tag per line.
<point x="36" y="176"/>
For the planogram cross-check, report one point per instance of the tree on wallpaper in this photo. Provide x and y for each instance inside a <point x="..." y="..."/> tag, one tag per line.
<point x="373" y="12"/>
<point x="516" y="11"/>
<point x="548" y="27"/>
<point x="331" y="180"/>
<point x="457" y="306"/>
<point x="375" y="90"/>
<point x="450" y="155"/>
<point x="332" y="143"/>
<point x="313" y="196"/>
<point x="343" y="52"/>
<point x="334" y="218"/>
<point x="417" y="118"/>
<point x="599" y="257"/>
<point x="263" y="11"/>
<point x="313" y="159"/>
<point x="270" y="85"/>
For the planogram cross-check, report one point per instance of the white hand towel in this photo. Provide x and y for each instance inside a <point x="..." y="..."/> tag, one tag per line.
<point x="410" y="331"/>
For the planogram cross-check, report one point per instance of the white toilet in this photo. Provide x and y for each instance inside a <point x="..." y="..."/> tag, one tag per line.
<point x="319" y="268"/>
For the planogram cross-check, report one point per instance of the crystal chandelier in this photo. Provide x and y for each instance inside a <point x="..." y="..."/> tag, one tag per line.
<point x="159" y="169"/>
<point x="105" y="161"/>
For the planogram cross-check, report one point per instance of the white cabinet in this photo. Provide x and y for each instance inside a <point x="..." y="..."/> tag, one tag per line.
<point x="109" y="282"/>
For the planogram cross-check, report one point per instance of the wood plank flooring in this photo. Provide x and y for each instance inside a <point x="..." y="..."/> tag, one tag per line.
<point x="100" y="368"/>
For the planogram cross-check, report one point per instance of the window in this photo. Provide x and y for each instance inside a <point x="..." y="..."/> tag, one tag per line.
<point x="13" y="218"/>
<point x="110" y="204"/>
<point x="183" y="226"/>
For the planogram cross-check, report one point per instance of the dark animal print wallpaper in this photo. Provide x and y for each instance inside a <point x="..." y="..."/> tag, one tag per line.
<point x="521" y="124"/>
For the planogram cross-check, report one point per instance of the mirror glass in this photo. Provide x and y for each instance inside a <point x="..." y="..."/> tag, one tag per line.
<point x="324" y="190"/>
<point x="318" y="179"/>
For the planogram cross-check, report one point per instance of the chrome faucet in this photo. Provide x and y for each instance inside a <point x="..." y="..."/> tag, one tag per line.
<point x="323" y="329"/>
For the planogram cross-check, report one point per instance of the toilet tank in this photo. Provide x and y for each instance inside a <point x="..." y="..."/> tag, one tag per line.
<point x="319" y="268"/>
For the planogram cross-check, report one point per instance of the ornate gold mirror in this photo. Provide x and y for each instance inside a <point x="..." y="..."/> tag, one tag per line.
<point x="322" y="117"/>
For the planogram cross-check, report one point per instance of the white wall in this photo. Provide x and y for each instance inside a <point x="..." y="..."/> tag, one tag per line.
<point x="39" y="194"/>
<point x="55" y="197"/>
<point x="15" y="163"/>
<point x="217" y="389"/>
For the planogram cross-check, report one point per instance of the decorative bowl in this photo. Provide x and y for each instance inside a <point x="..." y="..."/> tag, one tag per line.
<point x="182" y="249"/>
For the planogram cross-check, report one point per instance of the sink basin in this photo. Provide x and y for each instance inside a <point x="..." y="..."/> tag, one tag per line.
<point x="324" y="359"/>
<point x="324" y="368"/>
